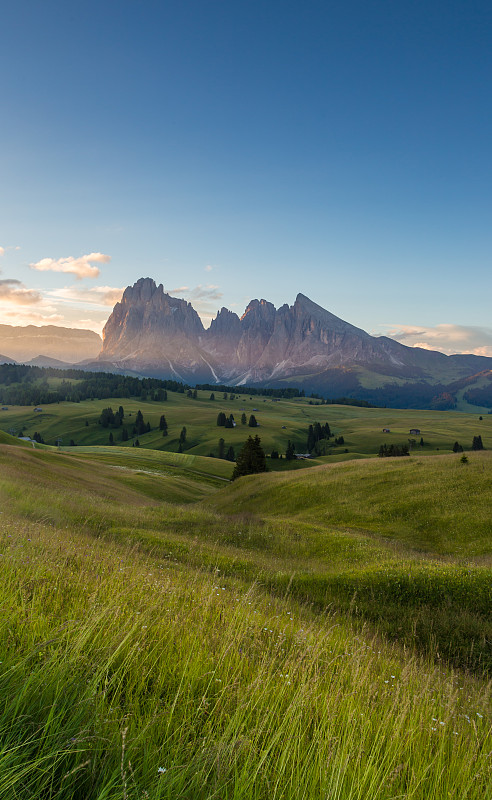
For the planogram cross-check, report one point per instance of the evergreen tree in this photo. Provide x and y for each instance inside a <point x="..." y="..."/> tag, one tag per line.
<point x="243" y="419"/>
<point x="111" y="440"/>
<point x="212" y="396"/>
<point x="163" y="425"/>
<point x="182" y="436"/>
<point x="72" y="443"/>
<point x="457" y="448"/>
<point x="290" y="452"/>
<point x="221" y="448"/>
<point x="230" y="455"/>
<point x="121" y="412"/>
<point x="252" y="421"/>
<point x="140" y="426"/>
<point x="251" y="459"/>
<point x="477" y="443"/>
<point x="311" y="441"/>
<point x="195" y="395"/>
<point x="274" y="454"/>
<point x="124" y="435"/>
<point x="87" y="423"/>
<point x="107" y="417"/>
<point x="221" y="418"/>
<point x="136" y="443"/>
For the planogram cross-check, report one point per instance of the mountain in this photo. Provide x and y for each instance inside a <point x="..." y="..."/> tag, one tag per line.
<point x="65" y="344"/>
<point x="6" y="360"/>
<point x="304" y="345"/>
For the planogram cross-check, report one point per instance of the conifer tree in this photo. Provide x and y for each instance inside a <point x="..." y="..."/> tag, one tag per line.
<point x="251" y="459"/>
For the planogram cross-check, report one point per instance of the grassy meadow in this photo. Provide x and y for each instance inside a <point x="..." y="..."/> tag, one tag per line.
<point x="279" y="421"/>
<point x="166" y="634"/>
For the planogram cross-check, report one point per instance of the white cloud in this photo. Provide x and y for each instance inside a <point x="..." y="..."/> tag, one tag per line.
<point x="81" y="267"/>
<point x="14" y="292"/>
<point x="97" y="295"/>
<point x="2" y="251"/>
<point x="446" y="337"/>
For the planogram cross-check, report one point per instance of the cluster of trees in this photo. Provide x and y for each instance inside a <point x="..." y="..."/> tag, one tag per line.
<point x="316" y="433"/>
<point x="251" y="459"/>
<point x="480" y="397"/>
<point x="23" y="385"/>
<point x="477" y="444"/>
<point x="228" y="454"/>
<point x="225" y="421"/>
<point x="393" y="450"/>
<point x="254" y="391"/>
<point x="109" y="419"/>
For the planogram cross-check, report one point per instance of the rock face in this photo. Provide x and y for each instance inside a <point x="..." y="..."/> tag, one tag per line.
<point x="156" y="334"/>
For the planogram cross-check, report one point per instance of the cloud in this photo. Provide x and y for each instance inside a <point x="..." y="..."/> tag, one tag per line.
<point x="2" y="251"/>
<point x="14" y="291"/>
<point x="446" y="337"/>
<point x="202" y="299"/>
<point x="80" y="267"/>
<point x="97" y="295"/>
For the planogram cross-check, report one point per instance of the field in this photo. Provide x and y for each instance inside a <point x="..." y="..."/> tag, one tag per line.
<point x="323" y="633"/>
<point x="279" y="421"/>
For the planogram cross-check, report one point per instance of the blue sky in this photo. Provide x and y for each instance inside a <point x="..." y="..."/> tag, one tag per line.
<point x="250" y="149"/>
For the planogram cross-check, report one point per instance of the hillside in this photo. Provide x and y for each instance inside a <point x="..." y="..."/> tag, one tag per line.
<point x="170" y="635"/>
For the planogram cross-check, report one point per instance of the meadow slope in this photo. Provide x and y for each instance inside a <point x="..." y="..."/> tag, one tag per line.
<point x="172" y="636"/>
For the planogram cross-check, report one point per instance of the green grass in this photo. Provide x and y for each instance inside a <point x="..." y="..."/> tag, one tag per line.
<point x="284" y="636"/>
<point x="360" y="427"/>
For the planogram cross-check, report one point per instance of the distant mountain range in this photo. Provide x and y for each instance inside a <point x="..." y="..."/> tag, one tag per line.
<point x="65" y="344"/>
<point x="151" y="333"/>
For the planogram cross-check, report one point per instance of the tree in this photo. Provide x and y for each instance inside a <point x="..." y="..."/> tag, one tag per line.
<point x="477" y="443"/>
<point x="195" y="394"/>
<point x="221" y="418"/>
<point x="111" y="439"/>
<point x="140" y="426"/>
<point x="182" y="436"/>
<point x="72" y="443"/>
<point x="457" y="448"/>
<point x="124" y="435"/>
<point x="221" y="448"/>
<point x="229" y="421"/>
<point x="251" y="459"/>
<point x="87" y="423"/>
<point x="107" y="417"/>
<point x="121" y="412"/>
<point x="290" y="451"/>
<point x="136" y="443"/>
<point x="243" y="419"/>
<point x="230" y="455"/>
<point x="212" y="396"/>
<point x="252" y="421"/>
<point x="274" y="454"/>
<point x="163" y="425"/>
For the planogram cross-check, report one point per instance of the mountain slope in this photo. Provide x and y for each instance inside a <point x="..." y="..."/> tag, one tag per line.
<point x="65" y="344"/>
<point x="153" y="333"/>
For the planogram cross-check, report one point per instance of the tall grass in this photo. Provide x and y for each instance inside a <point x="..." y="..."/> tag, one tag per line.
<point x="123" y="676"/>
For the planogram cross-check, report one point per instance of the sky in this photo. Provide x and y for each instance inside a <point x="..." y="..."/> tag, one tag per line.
<point x="242" y="149"/>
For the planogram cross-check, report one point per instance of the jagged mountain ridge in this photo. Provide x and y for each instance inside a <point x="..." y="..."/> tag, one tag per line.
<point x="156" y="334"/>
